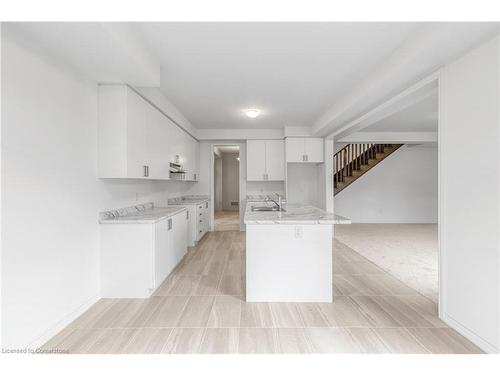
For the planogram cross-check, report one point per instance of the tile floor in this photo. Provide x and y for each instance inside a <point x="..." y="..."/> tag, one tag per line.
<point x="407" y="251"/>
<point x="200" y="308"/>
<point x="226" y="221"/>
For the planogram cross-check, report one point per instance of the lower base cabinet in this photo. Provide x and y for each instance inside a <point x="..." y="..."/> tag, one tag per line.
<point x="137" y="258"/>
<point x="198" y="221"/>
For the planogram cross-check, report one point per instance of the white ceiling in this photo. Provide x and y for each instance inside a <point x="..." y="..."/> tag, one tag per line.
<point x="420" y="117"/>
<point x="293" y="72"/>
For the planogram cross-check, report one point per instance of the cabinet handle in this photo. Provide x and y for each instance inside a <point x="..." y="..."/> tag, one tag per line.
<point x="187" y="214"/>
<point x="146" y="171"/>
<point x="201" y="221"/>
<point x="194" y="177"/>
<point x="206" y="204"/>
<point x="170" y="225"/>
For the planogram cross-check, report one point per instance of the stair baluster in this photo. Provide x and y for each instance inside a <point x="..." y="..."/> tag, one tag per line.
<point x="353" y="157"/>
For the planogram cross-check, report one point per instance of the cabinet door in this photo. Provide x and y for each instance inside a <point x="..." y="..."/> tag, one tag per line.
<point x="295" y="150"/>
<point x="139" y="135"/>
<point x="160" y="142"/>
<point x="191" y="229"/>
<point x="191" y="154"/>
<point x="314" y="150"/>
<point x="275" y="160"/>
<point x="176" y="142"/>
<point x="200" y="221"/>
<point x="256" y="160"/>
<point x="178" y="238"/>
<point x="162" y="265"/>
<point x="196" y="160"/>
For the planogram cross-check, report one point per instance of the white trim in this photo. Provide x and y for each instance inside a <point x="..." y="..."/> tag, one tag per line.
<point x="63" y="323"/>
<point x="470" y="335"/>
<point x="390" y="137"/>
<point x="242" y="180"/>
<point x="441" y="201"/>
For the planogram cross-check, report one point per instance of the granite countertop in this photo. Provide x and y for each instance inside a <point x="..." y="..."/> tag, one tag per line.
<point x="140" y="214"/>
<point x="294" y="214"/>
<point x="262" y="197"/>
<point x="188" y="199"/>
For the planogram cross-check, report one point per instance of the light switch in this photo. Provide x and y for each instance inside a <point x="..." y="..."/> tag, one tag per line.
<point x="298" y="232"/>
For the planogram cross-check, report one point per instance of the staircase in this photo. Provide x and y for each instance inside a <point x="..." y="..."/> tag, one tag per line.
<point x="355" y="159"/>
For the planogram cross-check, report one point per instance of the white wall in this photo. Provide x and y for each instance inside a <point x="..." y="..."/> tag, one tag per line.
<point x="218" y="184"/>
<point x="403" y="188"/>
<point x="469" y="195"/>
<point x="305" y="183"/>
<point x="51" y="195"/>
<point x="230" y="181"/>
<point x="265" y="187"/>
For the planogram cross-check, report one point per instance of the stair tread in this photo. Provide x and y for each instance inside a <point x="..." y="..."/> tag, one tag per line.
<point x="372" y="161"/>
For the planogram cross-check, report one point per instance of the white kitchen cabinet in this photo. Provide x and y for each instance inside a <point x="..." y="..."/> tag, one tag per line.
<point x="203" y="221"/>
<point x="161" y="129"/>
<point x="130" y="136"/>
<point x="295" y="150"/>
<point x="136" y="258"/>
<point x="198" y="221"/>
<point x="314" y="150"/>
<point x="191" y="158"/>
<point x="265" y="160"/>
<point x="256" y="160"/>
<point x="136" y="140"/>
<point x="162" y="263"/>
<point x="178" y="238"/>
<point x="275" y="160"/>
<point x="304" y="150"/>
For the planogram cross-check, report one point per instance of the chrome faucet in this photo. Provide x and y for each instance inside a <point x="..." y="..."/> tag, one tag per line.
<point x="278" y="204"/>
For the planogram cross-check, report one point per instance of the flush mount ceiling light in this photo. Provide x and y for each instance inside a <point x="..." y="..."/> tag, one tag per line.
<point x="252" y="113"/>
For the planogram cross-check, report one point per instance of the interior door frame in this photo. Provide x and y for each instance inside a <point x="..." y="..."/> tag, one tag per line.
<point x="242" y="179"/>
<point x="353" y="126"/>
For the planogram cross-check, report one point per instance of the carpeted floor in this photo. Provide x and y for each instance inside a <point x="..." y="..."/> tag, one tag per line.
<point x="407" y="251"/>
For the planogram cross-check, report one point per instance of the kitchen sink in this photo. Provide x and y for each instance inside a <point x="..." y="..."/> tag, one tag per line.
<point x="267" y="208"/>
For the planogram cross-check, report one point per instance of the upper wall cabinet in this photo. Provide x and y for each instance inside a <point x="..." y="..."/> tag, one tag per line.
<point x="265" y="160"/>
<point x="305" y="150"/>
<point x="136" y="140"/>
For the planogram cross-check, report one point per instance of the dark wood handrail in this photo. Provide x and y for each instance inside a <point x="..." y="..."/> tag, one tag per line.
<point x="352" y="157"/>
<point x="342" y="149"/>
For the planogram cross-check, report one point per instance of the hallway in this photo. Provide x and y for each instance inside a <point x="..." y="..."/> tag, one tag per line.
<point x="226" y="221"/>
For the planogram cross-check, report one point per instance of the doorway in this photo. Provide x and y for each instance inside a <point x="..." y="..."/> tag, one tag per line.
<point x="226" y="187"/>
<point x="392" y="197"/>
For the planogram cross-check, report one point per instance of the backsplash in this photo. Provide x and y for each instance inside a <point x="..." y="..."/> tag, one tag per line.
<point x="112" y="214"/>
<point x="179" y="199"/>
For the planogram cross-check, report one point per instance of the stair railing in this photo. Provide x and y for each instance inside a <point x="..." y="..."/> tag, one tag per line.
<point x="352" y="157"/>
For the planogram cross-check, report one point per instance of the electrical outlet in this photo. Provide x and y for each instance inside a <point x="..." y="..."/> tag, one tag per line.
<point x="298" y="232"/>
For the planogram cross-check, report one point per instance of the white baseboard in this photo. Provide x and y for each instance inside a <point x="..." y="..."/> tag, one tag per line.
<point x="52" y="331"/>
<point x="467" y="333"/>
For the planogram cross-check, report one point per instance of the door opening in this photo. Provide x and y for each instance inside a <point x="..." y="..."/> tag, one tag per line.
<point x="226" y="187"/>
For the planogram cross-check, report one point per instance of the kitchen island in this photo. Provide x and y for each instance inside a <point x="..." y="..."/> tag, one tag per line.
<point x="289" y="253"/>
